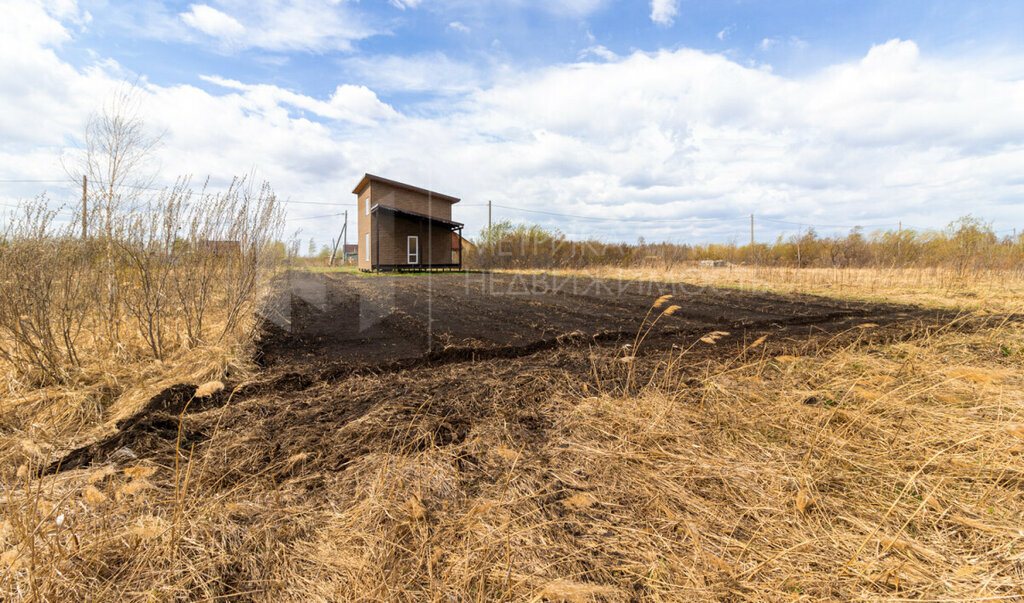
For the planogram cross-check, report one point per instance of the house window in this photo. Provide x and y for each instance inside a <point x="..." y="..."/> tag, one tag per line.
<point x="366" y="244"/>
<point x="412" y="250"/>
<point x="366" y="205"/>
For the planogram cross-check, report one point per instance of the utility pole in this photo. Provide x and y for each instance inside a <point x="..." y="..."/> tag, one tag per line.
<point x="85" y="209"/>
<point x="899" y="239"/>
<point x="488" y="218"/>
<point x="799" y="234"/>
<point x="751" y="231"/>
<point x="343" y="233"/>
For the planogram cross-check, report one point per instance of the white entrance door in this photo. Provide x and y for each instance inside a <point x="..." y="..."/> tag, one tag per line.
<point x="412" y="250"/>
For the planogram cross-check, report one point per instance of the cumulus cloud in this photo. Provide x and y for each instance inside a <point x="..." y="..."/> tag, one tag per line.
<point x="663" y="12"/>
<point x="212" y="22"/>
<point x="600" y="52"/>
<point x="458" y="26"/>
<point x="430" y="72"/>
<point x="355" y="104"/>
<point x="275" y="25"/>
<point x="680" y="134"/>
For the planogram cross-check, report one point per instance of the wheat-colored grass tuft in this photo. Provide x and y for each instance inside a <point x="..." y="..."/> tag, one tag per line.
<point x="414" y="507"/>
<point x="139" y="471"/>
<point x="505" y="453"/>
<point x="661" y="301"/>
<point x="574" y="592"/>
<point x="150" y="527"/>
<point x="669" y="311"/>
<point x="100" y="474"/>
<point x="134" y="487"/>
<point x="93" y="496"/>
<point x="14" y="559"/>
<point x="975" y="374"/>
<point x="582" y="500"/>
<point x="714" y="336"/>
<point x="32" y="449"/>
<point x="803" y="500"/>
<point x="208" y="389"/>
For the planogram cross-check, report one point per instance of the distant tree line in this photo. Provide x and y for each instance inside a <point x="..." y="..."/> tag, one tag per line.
<point x="966" y="244"/>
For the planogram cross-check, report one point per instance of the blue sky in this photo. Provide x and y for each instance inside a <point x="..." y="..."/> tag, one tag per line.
<point x="794" y="37"/>
<point x="688" y="114"/>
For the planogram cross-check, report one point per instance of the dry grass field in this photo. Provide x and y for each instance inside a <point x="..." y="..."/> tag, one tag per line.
<point x="857" y="460"/>
<point x="937" y="286"/>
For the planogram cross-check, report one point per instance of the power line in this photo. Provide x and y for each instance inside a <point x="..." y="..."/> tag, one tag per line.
<point x="597" y="218"/>
<point x="314" y="217"/>
<point x="826" y="225"/>
<point x="319" y="203"/>
<point x="509" y="207"/>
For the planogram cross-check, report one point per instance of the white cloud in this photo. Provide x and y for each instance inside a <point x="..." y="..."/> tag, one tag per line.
<point x="277" y="25"/>
<point x="570" y="7"/>
<point x="897" y="134"/>
<point x="27" y="22"/>
<point x="600" y="52"/>
<point x="793" y="42"/>
<point x="458" y="26"/>
<point x="212" y="22"/>
<point x="663" y="12"/>
<point x="355" y="104"/>
<point x="309" y="25"/>
<point x="725" y="32"/>
<point x="404" y="4"/>
<point x="428" y="72"/>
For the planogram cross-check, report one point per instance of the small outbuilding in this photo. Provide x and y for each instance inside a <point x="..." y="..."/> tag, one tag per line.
<point x="405" y="227"/>
<point x="350" y="254"/>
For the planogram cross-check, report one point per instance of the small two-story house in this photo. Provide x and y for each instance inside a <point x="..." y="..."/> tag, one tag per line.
<point x="405" y="227"/>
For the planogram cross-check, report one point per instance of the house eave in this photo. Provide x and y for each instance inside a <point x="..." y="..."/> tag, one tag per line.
<point x="370" y="178"/>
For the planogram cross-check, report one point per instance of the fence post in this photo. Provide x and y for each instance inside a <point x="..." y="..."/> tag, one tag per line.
<point x="85" y="209"/>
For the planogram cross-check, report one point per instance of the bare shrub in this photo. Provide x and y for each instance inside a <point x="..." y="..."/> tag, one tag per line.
<point x="169" y="263"/>
<point x="185" y="254"/>
<point x="967" y="245"/>
<point x="44" y="295"/>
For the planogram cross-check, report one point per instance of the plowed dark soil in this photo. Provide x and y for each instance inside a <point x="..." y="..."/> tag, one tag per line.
<point x="328" y="320"/>
<point x="433" y="355"/>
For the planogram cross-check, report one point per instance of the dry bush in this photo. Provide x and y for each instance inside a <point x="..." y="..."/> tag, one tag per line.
<point x="91" y="328"/>
<point x="44" y="296"/>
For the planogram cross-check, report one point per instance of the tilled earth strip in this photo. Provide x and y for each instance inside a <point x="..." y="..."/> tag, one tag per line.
<point x="437" y="354"/>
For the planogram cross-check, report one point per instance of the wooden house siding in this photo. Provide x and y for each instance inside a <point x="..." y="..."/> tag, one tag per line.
<point x="388" y="230"/>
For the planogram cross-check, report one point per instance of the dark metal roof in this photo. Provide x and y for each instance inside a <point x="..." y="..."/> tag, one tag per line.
<point x="368" y="178"/>
<point x="415" y="215"/>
